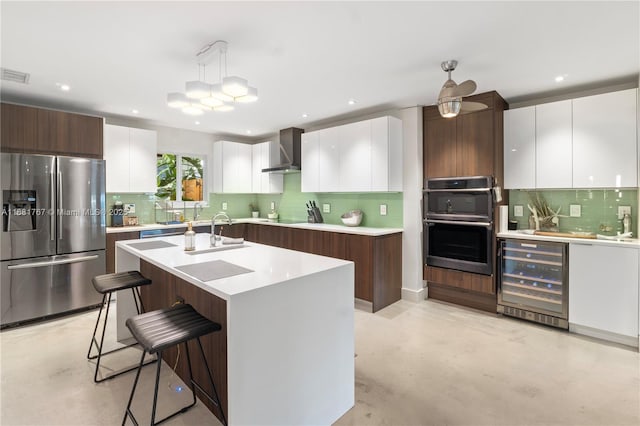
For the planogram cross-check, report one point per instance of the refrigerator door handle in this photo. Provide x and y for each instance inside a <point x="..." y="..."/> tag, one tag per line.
<point x="53" y="262"/>
<point x="52" y="210"/>
<point x="59" y="204"/>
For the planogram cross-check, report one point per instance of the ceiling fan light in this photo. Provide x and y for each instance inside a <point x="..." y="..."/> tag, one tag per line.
<point x="177" y="100"/>
<point x="217" y="92"/>
<point x="251" y="96"/>
<point x="224" y="108"/>
<point x="449" y="107"/>
<point x="235" y="86"/>
<point x="197" y="89"/>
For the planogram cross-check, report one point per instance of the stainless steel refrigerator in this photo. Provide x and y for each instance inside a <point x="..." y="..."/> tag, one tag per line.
<point x="53" y="235"/>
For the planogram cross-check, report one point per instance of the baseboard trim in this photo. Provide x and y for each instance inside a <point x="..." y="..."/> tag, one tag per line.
<point x="413" y="295"/>
<point x="604" y="335"/>
<point x="363" y="305"/>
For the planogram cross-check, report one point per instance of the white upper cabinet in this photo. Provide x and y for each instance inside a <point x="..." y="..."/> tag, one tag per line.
<point x="131" y="156"/>
<point x="588" y="142"/>
<point x="605" y="140"/>
<point x="365" y="156"/>
<point x="553" y="145"/>
<point x="265" y="155"/>
<point x="310" y="157"/>
<point x="232" y="172"/>
<point x="520" y="148"/>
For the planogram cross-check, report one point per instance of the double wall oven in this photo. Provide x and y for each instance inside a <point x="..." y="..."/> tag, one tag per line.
<point x="458" y="223"/>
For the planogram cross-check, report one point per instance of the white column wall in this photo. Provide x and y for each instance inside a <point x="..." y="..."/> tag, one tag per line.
<point x="412" y="284"/>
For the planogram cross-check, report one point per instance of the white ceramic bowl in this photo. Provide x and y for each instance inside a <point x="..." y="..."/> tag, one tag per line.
<point x="352" y="218"/>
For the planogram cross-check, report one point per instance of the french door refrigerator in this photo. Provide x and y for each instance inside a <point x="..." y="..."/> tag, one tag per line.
<point x="53" y="235"/>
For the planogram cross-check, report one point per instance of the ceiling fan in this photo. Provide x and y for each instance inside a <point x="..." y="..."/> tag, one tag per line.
<point x="450" y="98"/>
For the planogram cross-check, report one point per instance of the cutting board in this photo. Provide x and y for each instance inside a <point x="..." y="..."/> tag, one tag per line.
<point x="565" y="235"/>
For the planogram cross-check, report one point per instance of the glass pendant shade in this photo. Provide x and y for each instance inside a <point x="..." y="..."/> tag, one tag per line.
<point x="177" y="100"/>
<point x="217" y="92"/>
<point x="197" y="89"/>
<point x="223" y="108"/>
<point x="251" y="96"/>
<point x="235" y="86"/>
<point x="211" y="101"/>
<point x="449" y="107"/>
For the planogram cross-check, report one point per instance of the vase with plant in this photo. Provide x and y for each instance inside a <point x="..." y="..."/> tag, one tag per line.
<point x="255" y="212"/>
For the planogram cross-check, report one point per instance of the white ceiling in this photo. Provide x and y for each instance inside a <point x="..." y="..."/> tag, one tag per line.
<point x="308" y="57"/>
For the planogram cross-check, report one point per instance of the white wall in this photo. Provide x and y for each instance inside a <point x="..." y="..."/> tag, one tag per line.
<point x="412" y="283"/>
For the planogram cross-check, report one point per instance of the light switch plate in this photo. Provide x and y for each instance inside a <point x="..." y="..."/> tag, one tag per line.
<point x="326" y="208"/>
<point x="224" y="205"/>
<point x="622" y="210"/>
<point x="129" y="208"/>
<point x="575" y="210"/>
<point x="383" y="209"/>
<point x="273" y="205"/>
<point x="518" y="211"/>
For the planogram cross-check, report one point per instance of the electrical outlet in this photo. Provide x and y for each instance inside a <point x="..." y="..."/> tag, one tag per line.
<point x="622" y="210"/>
<point x="326" y="208"/>
<point x="383" y="209"/>
<point x="224" y="206"/>
<point x="575" y="210"/>
<point x="273" y="205"/>
<point x="518" y="211"/>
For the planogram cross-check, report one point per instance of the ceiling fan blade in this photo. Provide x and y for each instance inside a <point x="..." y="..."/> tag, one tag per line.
<point x="464" y="89"/>
<point x="472" y="107"/>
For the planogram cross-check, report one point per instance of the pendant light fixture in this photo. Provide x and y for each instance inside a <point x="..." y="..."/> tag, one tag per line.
<point x="200" y="96"/>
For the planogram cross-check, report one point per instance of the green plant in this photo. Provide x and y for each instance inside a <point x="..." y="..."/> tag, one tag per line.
<point x="253" y="208"/>
<point x="166" y="176"/>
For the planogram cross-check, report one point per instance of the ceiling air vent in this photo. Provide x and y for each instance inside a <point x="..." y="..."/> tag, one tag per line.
<point x="15" y="76"/>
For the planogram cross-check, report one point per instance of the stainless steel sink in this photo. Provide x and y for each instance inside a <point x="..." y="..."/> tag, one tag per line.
<point x="217" y="248"/>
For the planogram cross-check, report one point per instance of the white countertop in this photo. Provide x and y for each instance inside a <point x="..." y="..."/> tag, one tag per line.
<point x="358" y="230"/>
<point x="625" y="242"/>
<point x="270" y="265"/>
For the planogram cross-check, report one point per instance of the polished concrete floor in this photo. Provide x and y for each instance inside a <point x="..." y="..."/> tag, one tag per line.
<point x="422" y="363"/>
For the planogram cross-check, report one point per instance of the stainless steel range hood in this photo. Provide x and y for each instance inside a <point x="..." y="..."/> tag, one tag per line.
<point x="290" y="152"/>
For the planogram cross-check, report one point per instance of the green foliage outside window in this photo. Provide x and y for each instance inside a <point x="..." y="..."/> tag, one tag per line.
<point x="167" y="177"/>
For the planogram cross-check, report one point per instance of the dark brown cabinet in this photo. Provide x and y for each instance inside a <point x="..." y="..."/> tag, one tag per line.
<point x="377" y="260"/>
<point x="467" y="145"/>
<point x="111" y="246"/>
<point x="43" y="131"/>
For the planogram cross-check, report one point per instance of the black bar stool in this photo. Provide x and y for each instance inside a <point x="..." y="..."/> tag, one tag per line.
<point x="164" y="328"/>
<point x="106" y="285"/>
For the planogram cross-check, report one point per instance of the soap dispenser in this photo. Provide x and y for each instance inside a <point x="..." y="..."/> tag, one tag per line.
<point x="189" y="239"/>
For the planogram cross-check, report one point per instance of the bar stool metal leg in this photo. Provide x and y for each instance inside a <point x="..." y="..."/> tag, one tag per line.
<point x="217" y="401"/>
<point x="94" y="342"/>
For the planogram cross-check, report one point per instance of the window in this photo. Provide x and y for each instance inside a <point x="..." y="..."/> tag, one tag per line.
<point x="190" y="169"/>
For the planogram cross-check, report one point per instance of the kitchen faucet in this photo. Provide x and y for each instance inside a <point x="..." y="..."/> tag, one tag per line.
<point x="216" y="239"/>
<point x="196" y="215"/>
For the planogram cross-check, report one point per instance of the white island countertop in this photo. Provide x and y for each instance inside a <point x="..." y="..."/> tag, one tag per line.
<point x="270" y="265"/>
<point x="289" y="325"/>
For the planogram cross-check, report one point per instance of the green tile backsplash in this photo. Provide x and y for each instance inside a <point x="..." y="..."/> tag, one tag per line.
<point x="599" y="208"/>
<point x="290" y="205"/>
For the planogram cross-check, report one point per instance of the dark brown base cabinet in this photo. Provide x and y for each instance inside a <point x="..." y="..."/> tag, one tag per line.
<point x="463" y="288"/>
<point x="44" y="131"/>
<point x="164" y="291"/>
<point x="378" y="260"/>
<point x="111" y="246"/>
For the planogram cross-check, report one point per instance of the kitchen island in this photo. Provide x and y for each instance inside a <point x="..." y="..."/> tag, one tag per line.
<point x="285" y="354"/>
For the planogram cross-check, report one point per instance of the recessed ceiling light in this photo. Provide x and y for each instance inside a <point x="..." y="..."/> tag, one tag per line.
<point x="63" y="87"/>
<point x="351" y="101"/>
<point x="197" y="123"/>
<point x="135" y="111"/>
<point x="248" y="132"/>
<point x="559" y="78"/>
<point x="305" y="115"/>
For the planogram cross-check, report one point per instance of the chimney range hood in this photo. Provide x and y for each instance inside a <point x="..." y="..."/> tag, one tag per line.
<point x="290" y="152"/>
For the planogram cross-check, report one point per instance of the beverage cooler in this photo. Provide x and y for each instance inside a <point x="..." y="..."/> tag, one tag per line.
<point x="533" y="281"/>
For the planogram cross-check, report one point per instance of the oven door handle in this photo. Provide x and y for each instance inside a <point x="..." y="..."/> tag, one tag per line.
<point x="459" y="222"/>
<point x="459" y="190"/>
